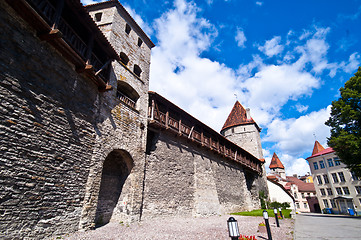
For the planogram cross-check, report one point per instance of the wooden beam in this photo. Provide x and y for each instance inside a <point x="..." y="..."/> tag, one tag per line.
<point x="166" y="119"/>
<point x="103" y="67"/>
<point x="152" y="111"/>
<point x="190" y="133"/>
<point x="179" y="126"/>
<point x="53" y="34"/>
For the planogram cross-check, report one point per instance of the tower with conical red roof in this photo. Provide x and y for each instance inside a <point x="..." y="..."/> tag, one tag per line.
<point x="277" y="167"/>
<point x="241" y="129"/>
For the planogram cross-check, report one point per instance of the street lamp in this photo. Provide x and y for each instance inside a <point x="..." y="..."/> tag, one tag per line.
<point x="265" y="217"/>
<point x="233" y="228"/>
<point x="280" y="210"/>
<point x="275" y="211"/>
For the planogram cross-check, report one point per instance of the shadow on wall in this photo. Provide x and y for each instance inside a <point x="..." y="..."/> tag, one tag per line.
<point x="116" y="168"/>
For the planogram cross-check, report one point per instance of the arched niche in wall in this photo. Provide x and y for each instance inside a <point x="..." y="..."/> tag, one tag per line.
<point x="127" y="94"/>
<point x="116" y="169"/>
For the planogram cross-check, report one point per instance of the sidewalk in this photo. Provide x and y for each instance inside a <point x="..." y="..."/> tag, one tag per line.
<point x="185" y="228"/>
<point x="326" y="226"/>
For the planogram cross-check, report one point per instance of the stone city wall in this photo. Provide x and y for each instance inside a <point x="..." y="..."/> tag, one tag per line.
<point x="185" y="179"/>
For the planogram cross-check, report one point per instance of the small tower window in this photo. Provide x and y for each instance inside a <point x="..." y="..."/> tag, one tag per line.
<point x="140" y="42"/>
<point x="127" y="28"/>
<point x="124" y="58"/>
<point x="137" y="70"/>
<point x="98" y="17"/>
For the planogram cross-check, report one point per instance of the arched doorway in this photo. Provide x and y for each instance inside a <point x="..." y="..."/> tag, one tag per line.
<point x="116" y="168"/>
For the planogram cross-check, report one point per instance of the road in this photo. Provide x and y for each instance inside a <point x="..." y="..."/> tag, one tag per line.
<point x="326" y="226"/>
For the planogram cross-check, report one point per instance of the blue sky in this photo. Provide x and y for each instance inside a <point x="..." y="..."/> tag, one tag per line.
<point x="285" y="60"/>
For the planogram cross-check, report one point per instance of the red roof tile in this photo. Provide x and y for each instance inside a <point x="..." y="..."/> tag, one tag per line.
<point x="325" y="151"/>
<point x="275" y="162"/>
<point x="302" y="186"/>
<point x="317" y="148"/>
<point x="238" y="116"/>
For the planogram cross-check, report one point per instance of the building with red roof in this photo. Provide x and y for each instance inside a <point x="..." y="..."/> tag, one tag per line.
<point x="337" y="189"/>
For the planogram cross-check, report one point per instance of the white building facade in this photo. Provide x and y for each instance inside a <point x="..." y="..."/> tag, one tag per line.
<point x="336" y="187"/>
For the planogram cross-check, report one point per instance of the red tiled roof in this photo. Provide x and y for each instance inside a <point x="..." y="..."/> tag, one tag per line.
<point x="317" y="148"/>
<point x="325" y="151"/>
<point x="238" y="116"/>
<point x="302" y="186"/>
<point x="275" y="162"/>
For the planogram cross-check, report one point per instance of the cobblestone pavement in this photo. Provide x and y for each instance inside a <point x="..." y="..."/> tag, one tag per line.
<point x="312" y="226"/>
<point x="183" y="228"/>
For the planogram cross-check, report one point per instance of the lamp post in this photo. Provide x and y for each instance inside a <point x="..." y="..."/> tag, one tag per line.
<point x="265" y="217"/>
<point x="280" y="210"/>
<point x="233" y="228"/>
<point x="275" y="211"/>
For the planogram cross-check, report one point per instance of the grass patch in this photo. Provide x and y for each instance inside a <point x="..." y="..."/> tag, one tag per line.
<point x="259" y="213"/>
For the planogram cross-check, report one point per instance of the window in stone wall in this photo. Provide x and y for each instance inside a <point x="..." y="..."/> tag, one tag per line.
<point x="346" y="190"/>
<point x="298" y="205"/>
<point x="315" y="165"/>
<point x="325" y="203"/>
<point x="335" y="178"/>
<point x="325" y="178"/>
<point x="140" y="42"/>
<point x="137" y="71"/>
<point x="305" y="205"/>
<point x="323" y="192"/>
<point x="342" y="177"/>
<point x="322" y="164"/>
<point x="98" y="17"/>
<point x="127" y="28"/>
<point x="339" y="191"/>
<point x="333" y="203"/>
<point x="330" y="162"/>
<point x="337" y="161"/>
<point x="127" y="94"/>
<point x="124" y="58"/>
<point x="319" y="179"/>
<point x="354" y="177"/>
<point x="329" y="192"/>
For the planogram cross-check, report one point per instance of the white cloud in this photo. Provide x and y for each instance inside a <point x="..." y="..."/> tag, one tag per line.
<point x="354" y="62"/>
<point x="272" y="47"/>
<point x="202" y="87"/>
<point x="293" y="165"/>
<point x="259" y="3"/>
<point x="301" y="108"/>
<point x="240" y="38"/>
<point x="296" y="135"/>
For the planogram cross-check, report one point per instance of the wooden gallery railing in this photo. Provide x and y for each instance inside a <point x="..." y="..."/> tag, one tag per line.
<point x="213" y="141"/>
<point x="47" y="19"/>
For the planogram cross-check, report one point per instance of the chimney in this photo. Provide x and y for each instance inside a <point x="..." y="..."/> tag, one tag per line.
<point x="248" y="113"/>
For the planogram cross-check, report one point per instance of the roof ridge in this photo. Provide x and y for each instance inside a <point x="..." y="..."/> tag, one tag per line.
<point x="237" y="116"/>
<point x="275" y="162"/>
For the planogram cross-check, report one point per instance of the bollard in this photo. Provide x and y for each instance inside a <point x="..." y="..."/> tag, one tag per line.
<point x="275" y="211"/>
<point x="280" y="210"/>
<point x="233" y="228"/>
<point x="265" y="217"/>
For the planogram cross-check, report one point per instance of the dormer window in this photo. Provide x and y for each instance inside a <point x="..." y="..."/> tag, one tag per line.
<point x="124" y="58"/>
<point x="137" y="71"/>
<point x="127" y="94"/>
<point x="140" y="42"/>
<point x="127" y="28"/>
<point x="98" y="17"/>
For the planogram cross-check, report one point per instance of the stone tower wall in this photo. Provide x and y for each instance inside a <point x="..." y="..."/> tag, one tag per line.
<point x="185" y="179"/>
<point x="56" y="131"/>
<point x="248" y="137"/>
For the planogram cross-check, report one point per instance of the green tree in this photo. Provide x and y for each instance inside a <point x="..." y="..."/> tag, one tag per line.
<point x="345" y="123"/>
